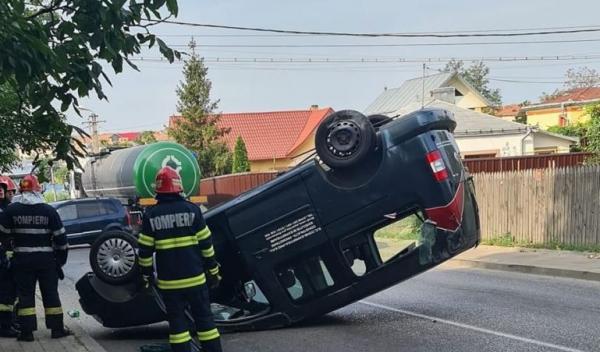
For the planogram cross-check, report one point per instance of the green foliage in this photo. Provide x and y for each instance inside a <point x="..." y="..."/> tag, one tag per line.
<point x="240" y="157"/>
<point x="51" y="54"/>
<point x="49" y="196"/>
<point x="507" y="240"/>
<point x="592" y="134"/>
<point x="197" y="128"/>
<point x="477" y="75"/>
<point x="408" y="228"/>
<point x="146" y="137"/>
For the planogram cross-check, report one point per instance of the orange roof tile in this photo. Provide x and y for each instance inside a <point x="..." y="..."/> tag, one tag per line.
<point x="272" y="134"/>
<point x="508" y="110"/>
<point x="577" y="94"/>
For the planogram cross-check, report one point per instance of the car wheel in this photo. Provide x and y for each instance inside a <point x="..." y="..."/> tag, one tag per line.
<point x="113" y="257"/>
<point x="344" y="139"/>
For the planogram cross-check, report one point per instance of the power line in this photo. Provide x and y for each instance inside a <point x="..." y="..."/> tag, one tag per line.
<point x="463" y="34"/>
<point x="203" y="35"/>
<point x="383" y="45"/>
<point x="387" y="60"/>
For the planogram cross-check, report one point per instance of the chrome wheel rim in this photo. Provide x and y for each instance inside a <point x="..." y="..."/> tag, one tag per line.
<point x="116" y="257"/>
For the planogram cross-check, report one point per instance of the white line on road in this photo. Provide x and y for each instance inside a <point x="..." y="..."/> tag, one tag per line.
<point x="474" y="328"/>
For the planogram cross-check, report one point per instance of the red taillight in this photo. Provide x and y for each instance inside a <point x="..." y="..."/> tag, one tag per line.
<point x="437" y="165"/>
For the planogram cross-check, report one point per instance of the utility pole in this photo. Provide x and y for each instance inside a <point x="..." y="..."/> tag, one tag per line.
<point x="423" y="87"/>
<point x="93" y="123"/>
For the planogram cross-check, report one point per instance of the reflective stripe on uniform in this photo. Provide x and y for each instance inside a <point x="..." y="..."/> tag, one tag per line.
<point x="145" y="261"/>
<point x="207" y="253"/>
<point x="59" y="232"/>
<point x="25" y="311"/>
<point x="31" y="231"/>
<point x="33" y="249"/>
<point x="203" y="234"/>
<point x="182" y="283"/>
<point x="214" y="271"/>
<point x="208" y="335"/>
<point x="53" y="311"/>
<point x="6" y="307"/>
<point x="180" y="338"/>
<point x="4" y="229"/>
<point x="145" y="240"/>
<point x="64" y="247"/>
<point x="9" y="254"/>
<point x="176" y="242"/>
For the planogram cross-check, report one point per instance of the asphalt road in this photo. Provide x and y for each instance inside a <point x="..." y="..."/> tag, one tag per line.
<point x="446" y="309"/>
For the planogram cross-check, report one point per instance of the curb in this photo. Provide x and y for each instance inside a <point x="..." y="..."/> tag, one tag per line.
<point x="528" y="269"/>
<point x="79" y="333"/>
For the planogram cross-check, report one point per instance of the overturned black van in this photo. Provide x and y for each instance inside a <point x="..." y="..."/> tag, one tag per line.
<point x="303" y="244"/>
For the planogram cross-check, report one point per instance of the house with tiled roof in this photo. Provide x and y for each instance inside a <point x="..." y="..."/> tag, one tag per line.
<point x="275" y="140"/>
<point x="479" y="135"/>
<point x="446" y="86"/>
<point x="508" y="112"/>
<point x="565" y="108"/>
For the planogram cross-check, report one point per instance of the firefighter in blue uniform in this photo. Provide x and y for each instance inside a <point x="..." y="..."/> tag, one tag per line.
<point x="175" y="230"/>
<point x="40" y="250"/>
<point x="8" y="293"/>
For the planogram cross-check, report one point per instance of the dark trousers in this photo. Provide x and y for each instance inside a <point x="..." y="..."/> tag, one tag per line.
<point x="197" y="300"/>
<point x="26" y="278"/>
<point x="8" y="296"/>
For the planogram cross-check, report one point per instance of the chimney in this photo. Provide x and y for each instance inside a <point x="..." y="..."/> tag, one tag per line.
<point x="314" y="107"/>
<point x="446" y="94"/>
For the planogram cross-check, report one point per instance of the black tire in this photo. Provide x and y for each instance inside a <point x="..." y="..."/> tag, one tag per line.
<point x="344" y="139"/>
<point x="113" y="257"/>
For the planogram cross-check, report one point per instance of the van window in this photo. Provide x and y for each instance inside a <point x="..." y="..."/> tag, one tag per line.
<point x="67" y="212"/>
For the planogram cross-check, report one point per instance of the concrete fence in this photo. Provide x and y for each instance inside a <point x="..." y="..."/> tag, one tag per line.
<point x="555" y="205"/>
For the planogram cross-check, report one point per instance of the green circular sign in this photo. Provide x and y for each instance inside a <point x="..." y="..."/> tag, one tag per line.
<point x="158" y="155"/>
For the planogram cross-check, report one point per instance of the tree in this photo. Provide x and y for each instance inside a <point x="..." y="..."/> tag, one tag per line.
<point x="146" y="137"/>
<point x="240" y="157"/>
<point x="477" y="76"/>
<point x="592" y="134"/>
<point x="582" y="77"/>
<point x="50" y="55"/>
<point x="197" y="128"/>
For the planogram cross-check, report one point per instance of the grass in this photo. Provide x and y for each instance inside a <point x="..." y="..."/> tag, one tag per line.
<point x="507" y="240"/>
<point x="405" y="229"/>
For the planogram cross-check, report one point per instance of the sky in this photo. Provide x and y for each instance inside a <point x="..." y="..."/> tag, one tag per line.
<point x="144" y="100"/>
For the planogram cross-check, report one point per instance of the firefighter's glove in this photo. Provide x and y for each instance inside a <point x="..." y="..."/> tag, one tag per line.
<point x="213" y="277"/>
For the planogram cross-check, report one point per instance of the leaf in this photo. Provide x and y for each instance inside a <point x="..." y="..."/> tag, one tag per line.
<point x="131" y="64"/>
<point x="172" y="7"/>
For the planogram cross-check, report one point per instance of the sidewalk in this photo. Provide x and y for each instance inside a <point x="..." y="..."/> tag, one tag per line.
<point x="576" y="265"/>
<point x="79" y="342"/>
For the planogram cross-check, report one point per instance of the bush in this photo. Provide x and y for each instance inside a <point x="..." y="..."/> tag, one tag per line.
<point x="49" y="196"/>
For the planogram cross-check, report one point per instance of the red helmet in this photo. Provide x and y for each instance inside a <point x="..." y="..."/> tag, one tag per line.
<point x="30" y="183"/>
<point x="168" y="181"/>
<point x="10" y="184"/>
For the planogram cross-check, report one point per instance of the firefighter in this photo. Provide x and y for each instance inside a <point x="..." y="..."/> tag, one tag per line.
<point x="185" y="262"/>
<point x="11" y="188"/>
<point x="7" y="286"/>
<point x="40" y="247"/>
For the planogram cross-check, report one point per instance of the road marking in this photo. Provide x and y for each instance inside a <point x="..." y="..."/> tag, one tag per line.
<point x="474" y="328"/>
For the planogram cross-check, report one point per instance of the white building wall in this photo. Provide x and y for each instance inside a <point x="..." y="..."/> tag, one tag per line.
<point x="544" y="142"/>
<point x="501" y="145"/>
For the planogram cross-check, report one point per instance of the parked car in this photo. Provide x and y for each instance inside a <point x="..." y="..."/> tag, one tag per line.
<point x="303" y="244"/>
<point x="87" y="218"/>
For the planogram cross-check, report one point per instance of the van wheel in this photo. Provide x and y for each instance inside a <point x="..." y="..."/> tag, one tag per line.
<point x="344" y="139"/>
<point x="113" y="257"/>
